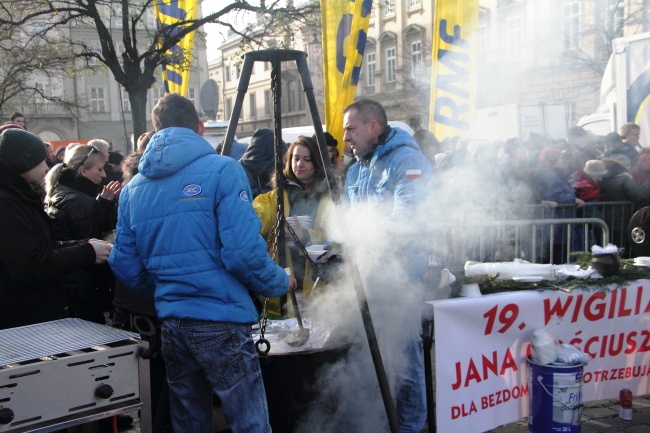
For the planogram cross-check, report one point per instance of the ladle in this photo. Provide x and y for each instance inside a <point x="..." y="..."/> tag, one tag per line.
<point x="297" y="338"/>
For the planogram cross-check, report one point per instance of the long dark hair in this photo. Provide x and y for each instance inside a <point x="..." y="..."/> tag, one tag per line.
<point x="314" y="153"/>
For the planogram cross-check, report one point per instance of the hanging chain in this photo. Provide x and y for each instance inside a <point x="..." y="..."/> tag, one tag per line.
<point x="275" y="232"/>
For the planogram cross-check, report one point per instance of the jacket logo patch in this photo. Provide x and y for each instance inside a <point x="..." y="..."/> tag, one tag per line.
<point x="244" y="196"/>
<point x="192" y="190"/>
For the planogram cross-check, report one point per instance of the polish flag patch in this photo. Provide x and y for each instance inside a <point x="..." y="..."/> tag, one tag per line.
<point x="413" y="173"/>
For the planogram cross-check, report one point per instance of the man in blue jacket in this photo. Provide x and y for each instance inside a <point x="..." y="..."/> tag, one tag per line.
<point x="187" y="233"/>
<point x="385" y="190"/>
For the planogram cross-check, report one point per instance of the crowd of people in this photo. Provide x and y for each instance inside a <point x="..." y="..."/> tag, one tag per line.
<point x="193" y="240"/>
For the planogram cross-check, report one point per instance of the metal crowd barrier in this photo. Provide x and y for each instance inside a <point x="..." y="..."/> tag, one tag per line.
<point x="529" y="231"/>
<point x="537" y="240"/>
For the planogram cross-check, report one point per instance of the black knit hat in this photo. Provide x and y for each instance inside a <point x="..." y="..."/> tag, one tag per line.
<point x="115" y="158"/>
<point x="21" y="149"/>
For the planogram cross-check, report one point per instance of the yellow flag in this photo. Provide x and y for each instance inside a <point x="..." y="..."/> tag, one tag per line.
<point x="453" y="68"/>
<point x="176" y="77"/>
<point x="345" y="30"/>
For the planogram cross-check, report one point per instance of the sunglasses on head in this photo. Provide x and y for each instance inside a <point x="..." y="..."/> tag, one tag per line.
<point x="93" y="149"/>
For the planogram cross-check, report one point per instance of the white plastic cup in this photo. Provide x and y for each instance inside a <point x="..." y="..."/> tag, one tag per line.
<point x="470" y="290"/>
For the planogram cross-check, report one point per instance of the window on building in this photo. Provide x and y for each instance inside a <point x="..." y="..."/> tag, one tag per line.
<point x="191" y="95"/>
<point x="227" y="72"/>
<point x="117" y="18"/>
<point x="389" y="8"/>
<point x="370" y="69"/>
<point x="292" y="93"/>
<point x="95" y="47"/>
<point x="268" y="102"/>
<point x="619" y="19"/>
<point x="97" y="99"/>
<point x="252" y="105"/>
<point x="570" y="110"/>
<point x="482" y="40"/>
<point x="126" y="104"/>
<point x="158" y="92"/>
<point x="417" y="65"/>
<point x="391" y="64"/>
<point x="151" y="21"/>
<point x="44" y="88"/>
<point x="228" y="107"/>
<point x="301" y="98"/>
<point x="514" y="28"/>
<point x="570" y="25"/>
<point x="414" y="4"/>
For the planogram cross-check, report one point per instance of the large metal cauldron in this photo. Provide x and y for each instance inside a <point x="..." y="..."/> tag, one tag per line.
<point x="289" y="373"/>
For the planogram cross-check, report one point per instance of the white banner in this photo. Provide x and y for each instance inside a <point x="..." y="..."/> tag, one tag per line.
<point x="481" y="347"/>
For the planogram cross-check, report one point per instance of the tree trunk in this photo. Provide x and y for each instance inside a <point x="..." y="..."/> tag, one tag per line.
<point x="138" y="99"/>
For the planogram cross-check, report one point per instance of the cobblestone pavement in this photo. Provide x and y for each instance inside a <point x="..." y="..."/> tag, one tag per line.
<point x="602" y="417"/>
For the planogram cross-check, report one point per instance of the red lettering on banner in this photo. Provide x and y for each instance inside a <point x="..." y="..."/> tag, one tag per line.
<point x="588" y="346"/>
<point x="599" y="308"/>
<point x="503" y="396"/>
<point x="488" y="365"/>
<point x="616" y="374"/>
<point x="645" y="346"/>
<point x="612" y="305"/>
<point x="558" y="309"/>
<point x="631" y="343"/>
<point x="603" y="346"/>
<point x="458" y="411"/>
<point x="622" y="311"/>
<point x="613" y="351"/>
<point x="576" y="311"/>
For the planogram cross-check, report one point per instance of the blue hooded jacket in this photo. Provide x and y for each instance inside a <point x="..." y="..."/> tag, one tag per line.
<point x="186" y="228"/>
<point x="394" y="178"/>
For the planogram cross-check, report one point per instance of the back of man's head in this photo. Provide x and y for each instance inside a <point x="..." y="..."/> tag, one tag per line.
<point x="174" y="110"/>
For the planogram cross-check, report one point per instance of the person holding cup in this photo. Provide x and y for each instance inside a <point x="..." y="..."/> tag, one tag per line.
<point x="32" y="263"/>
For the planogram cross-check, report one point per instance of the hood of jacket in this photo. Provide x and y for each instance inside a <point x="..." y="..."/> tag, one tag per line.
<point x="643" y="162"/>
<point x="170" y="150"/>
<point x="259" y="157"/>
<point x="390" y="140"/>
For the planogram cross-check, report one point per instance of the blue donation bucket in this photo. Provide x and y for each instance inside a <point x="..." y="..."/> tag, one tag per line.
<point x="555" y="398"/>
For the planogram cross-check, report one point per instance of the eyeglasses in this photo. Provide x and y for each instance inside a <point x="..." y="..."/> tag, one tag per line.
<point x="93" y="148"/>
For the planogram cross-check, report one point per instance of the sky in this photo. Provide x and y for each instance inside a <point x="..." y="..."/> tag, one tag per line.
<point x="216" y="33"/>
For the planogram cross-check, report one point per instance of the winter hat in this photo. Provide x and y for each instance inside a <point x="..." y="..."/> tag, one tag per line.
<point x="623" y="159"/>
<point x="115" y="158"/>
<point x="550" y="155"/>
<point x="10" y="126"/>
<point x="612" y="138"/>
<point x="21" y="149"/>
<point x="595" y="167"/>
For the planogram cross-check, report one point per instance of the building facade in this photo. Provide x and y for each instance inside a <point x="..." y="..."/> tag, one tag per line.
<point x="529" y="52"/>
<point x="105" y="110"/>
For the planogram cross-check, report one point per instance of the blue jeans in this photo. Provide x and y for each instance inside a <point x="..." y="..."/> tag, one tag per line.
<point x="410" y="391"/>
<point x="204" y="357"/>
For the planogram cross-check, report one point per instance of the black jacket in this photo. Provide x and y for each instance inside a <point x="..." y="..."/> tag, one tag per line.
<point x="76" y="210"/>
<point x="31" y="262"/>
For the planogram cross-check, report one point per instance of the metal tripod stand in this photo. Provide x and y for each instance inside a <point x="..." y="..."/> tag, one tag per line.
<point x="276" y="57"/>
